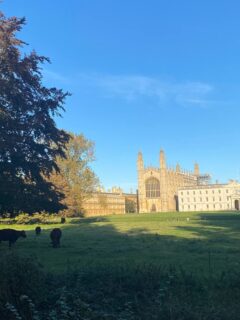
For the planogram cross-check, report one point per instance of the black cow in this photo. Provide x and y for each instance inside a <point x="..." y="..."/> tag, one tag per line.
<point x="38" y="231"/>
<point x="63" y="220"/>
<point x="55" y="236"/>
<point x="11" y="235"/>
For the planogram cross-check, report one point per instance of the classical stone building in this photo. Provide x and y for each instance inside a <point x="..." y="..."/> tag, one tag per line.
<point x="108" y="203"/>
<point x="212" y="197"/>
<point x="158" y="187"/>
<point x="104" y="203"/>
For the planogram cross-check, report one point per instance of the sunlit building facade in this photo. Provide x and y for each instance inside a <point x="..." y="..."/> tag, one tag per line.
<point x="212" y="197"/>
<point x="158" y="187"/>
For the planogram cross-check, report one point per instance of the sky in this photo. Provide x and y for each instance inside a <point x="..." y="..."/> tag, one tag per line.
<point x="144" y="75"/>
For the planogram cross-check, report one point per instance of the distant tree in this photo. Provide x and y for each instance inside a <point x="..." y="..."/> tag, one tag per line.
<point x="102" y="199"/>
<point x="76" y="179"/>
<point x="29" y="138"/>
<point x="130" y="206"/>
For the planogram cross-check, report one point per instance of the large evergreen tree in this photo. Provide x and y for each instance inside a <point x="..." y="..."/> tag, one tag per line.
<point x="29" y="138"/>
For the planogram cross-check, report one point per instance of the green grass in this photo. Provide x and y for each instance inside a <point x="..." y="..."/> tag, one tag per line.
<point x="204" y="243"/>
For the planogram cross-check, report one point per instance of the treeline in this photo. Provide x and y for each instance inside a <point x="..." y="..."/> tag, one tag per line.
<point x="42" y="168"/>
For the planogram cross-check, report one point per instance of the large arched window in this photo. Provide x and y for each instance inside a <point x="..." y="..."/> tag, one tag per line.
<point x="152" y="188"/>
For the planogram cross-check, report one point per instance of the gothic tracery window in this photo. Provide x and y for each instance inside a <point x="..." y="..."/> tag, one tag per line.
<point x="152" y="188"/>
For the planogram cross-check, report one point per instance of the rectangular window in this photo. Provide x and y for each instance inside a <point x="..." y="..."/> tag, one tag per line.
<point x="206" y="198"/>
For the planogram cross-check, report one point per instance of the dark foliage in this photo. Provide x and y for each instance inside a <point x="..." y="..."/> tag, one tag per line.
<point x="29" y="138"/>
<point x="138" y="293"/>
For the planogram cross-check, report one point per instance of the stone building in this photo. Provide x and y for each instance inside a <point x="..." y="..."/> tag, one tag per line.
<point x="108" y="203"/>
<point x="158" y="187"/>
<point x="212" y="197"/>
<point x="104" y="203"/>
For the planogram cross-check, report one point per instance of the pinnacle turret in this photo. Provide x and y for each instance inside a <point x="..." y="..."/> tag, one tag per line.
<point x="140" y="163"/>
<point x="196" y="169"/>
<point x="162" y="160"/>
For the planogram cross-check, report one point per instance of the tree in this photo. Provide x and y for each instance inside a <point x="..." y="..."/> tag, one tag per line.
<point x="76" y="178"/>
<point x="130" y="206"/>
<point x="29" y="138"/>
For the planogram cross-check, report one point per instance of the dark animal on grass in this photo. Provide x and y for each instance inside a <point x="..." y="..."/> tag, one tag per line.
<point x="11" y="235"/>
<point x="55" y="236"/>
<point x="38" y="231"/>
<point x="63" y="220"/>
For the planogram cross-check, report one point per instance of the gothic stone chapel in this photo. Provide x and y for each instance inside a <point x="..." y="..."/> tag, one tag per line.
<point x="158" y="187"/>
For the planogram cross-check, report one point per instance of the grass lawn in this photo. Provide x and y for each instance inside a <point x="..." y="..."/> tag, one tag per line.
<point x="198" y="242"/>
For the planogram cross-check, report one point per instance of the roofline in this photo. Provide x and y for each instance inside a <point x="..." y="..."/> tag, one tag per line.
<point x="205" y="186"/>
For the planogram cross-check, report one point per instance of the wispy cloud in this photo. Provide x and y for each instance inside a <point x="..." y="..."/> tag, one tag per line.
<point x="135" y="87"/>
<point x="54" y="76"/>
<point x="132" y="87"/>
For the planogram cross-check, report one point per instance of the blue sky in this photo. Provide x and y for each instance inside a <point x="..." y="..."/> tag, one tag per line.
<point x="144" y="75"/>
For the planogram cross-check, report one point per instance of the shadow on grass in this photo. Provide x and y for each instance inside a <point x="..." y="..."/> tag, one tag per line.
<point x="133" y="273"/>
<point x="210" y="243"/>
<point x="88" y="220"/>
<point x="220" y="231"/>
<point x="214" y="245"/>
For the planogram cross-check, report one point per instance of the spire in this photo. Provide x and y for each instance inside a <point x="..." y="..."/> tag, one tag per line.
<point x="196" y="169"/>
<point x="140" y="164"/>
<point x="178" y="169"/>
<point x="162" y="160"/>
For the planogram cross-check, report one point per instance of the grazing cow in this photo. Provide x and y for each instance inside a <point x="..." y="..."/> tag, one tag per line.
<point x="55" y="236"/>
<point x="38" y="231"/>
<point x="11" y="235"/>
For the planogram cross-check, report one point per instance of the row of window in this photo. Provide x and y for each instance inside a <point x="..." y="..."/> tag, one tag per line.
<point x="202" y="191"/>
<point x="214" y="206"/>
<point x="206" y="199"/>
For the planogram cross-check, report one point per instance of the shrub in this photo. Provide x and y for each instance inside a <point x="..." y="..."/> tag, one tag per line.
<point x="139" y="293"/>
<point x="20" y="276"/>
<point x="36" y="218"/>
